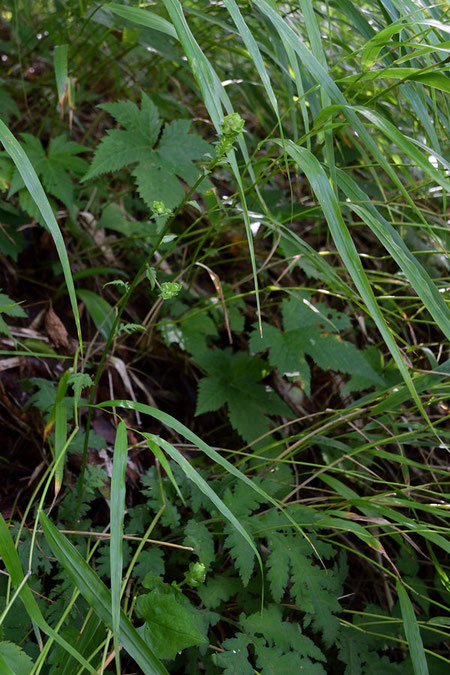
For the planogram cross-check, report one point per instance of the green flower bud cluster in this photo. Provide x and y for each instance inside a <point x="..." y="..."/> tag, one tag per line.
<point x="169" y="289"/>
<point x="160" y="209"/>
<point x="232" y="126"/>
<point x="196" y="575"/>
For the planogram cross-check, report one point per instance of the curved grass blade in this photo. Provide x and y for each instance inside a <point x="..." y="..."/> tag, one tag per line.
<point x="383" y="37"/>
<point x="97" y="595"/>
<point x="180" y="428"/>
<point x="117" y="509"/>
<point x="322" y="77"/>
<point x="160" y="456"/>
<point x="408" y="147"/>
<point x="392" y="241"/>
<point x="10" y="557"/>
<point x="214" y="95"/>
<point x="203" y="486"/>
<point x="412" y="632"/>
<point x="32" y="182"/>
<point x="144" y="18"/>
<point x="346" y="248"/>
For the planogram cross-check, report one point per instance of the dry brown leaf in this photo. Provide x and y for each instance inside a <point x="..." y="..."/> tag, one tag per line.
<point x="56" y="329"/>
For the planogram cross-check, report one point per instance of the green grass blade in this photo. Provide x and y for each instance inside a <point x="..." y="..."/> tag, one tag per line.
<point x="160" y="456"/>
<point x="254" y="52"/>
<point x="203" y="486"/>
<point x="97" y="595"/>
<point x="213" y="94"/>
<point x="346" y="248"/>
<point x="61" y="71"/>
<point x="10" y="558"/>
<point x="144" y="18"/>
<point x="117" y="508"/>
<point x="412" y="632"/>
<point x="32" y="182"/>
<point x="392" y="241"/>
<point x="408" y="147"/>
<point x="322" y="77"/>
<point x="180" y="428"/>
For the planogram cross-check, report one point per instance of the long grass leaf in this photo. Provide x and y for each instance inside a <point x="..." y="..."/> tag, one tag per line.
<point x="412" y="632"/>
<point x="33" y="184"/>
<point x="346" y="248"/>
<point x="392" y="241"/>
<point x="180" y="428"/>
<point x="117" y="509"/>
<point x="144" y="18"/>
<point x="322" y="77"/>
<point x="203" y="486"/>
<point x="97" y="595"/>
<point x="60" y="65"/>
<point x="10" y="557"/>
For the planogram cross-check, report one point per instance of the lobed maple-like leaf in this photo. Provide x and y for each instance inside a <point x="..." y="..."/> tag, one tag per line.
<point x="55" y="166"/>
<point x="158" y="160"/>
<point x="234" y="660"/>
<point x="315" y="589"/>
<point x="233" y="379"/>
<point x="281" y="634"/>
<point x="312" y="330"/>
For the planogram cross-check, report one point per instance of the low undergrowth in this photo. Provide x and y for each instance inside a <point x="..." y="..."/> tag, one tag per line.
<point x="224" y="338"/>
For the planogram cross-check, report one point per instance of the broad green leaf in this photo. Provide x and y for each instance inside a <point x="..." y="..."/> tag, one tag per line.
<point x="100" y="310"/>
<point x="169" y="625"/>
<point x="308" y="330"/>
<point x="159" y="162"/>
<point x="97" y="595"/>
<point x="233" y="378"/>
<point x="234" y="660"/>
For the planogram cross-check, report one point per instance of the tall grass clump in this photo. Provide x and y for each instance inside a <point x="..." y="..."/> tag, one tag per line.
<point x="224" y="333"/>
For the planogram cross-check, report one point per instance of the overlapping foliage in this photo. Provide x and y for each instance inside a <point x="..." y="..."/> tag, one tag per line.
<point x="248" y="204"/>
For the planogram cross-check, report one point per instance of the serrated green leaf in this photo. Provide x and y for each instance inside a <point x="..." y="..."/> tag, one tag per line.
<point x="278" y="567"/>
<point x="200" y="538"/>
<point x="233" y="379"/>
<point x="10" y="308"/>
<point x="158" y="163"/>
<point x="169" y="625"/>
<point x="18" y="662"/>
<point x="281" y="634"/>
<point x="241" y="552"/>
<point x="234" y="659"/>
<point x="273" y="662"/>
